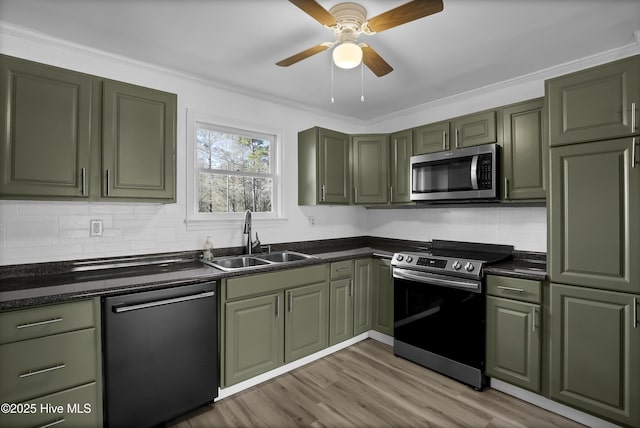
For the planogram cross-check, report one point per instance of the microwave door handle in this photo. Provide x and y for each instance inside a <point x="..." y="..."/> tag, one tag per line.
<point x="474" y="172"/>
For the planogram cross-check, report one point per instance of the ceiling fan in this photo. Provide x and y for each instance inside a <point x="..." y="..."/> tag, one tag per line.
<point x="348" y="21"/>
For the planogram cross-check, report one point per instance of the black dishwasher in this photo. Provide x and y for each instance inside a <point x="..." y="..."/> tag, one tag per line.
<point x="160" y="354"/>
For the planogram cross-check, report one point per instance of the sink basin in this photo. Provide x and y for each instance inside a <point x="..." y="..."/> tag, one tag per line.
<point x="283" y="256"/>
<point x="239" y="262"/>
<point x="234" y="263"/>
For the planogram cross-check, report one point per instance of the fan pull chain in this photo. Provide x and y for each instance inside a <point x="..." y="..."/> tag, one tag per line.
<point x="332" y="67"/>
<point x="362" y="82"/>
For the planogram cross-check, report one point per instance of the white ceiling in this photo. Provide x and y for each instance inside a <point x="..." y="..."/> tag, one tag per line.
<point x="236" y="43"/>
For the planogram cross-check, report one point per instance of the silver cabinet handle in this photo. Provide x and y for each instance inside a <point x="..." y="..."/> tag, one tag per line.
<point x="445" y="146"/>
<point x="277" y="306"/>
<point x="390" y="193"/>
<point x="39" y="323"/>
<point x="290" y="301"/>
<point x="350" y="288"/>
<point x="343" y="269"/>
<point x="54" y="423"/>
<point x="506" y="188"/>
<point x="355" y="195"/>
<point x="108" y="182"/>
<point x="457" y="138"/>
<point x="41" y="371"/>
<point x="533" y="318"/>
<point x="633" y="152"/>
<point x="519" y="290"/>
<point x="83" y="176"/>
<point x="120" y="309"/>
<point x="635" y="312"/>
<point x="323" y="193"/>
<point x="633" y="117"/>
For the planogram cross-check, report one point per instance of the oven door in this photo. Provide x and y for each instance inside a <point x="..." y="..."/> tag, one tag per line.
<point x="440" y="314"/>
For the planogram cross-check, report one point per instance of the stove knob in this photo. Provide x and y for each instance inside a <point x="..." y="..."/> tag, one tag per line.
<point x="400" y="257"/>
<point x="409" y="259"/>
<point x="456" y="265"/>
<point x="468" y="267"/>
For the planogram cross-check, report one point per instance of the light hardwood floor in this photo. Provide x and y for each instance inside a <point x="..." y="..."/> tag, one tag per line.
<point x="365" y="385"/>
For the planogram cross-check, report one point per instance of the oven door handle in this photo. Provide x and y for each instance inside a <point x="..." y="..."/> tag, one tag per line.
<point x="411" y="275"/>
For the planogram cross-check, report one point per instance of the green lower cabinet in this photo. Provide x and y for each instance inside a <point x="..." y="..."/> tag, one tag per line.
<point x="382" y="297"/>
<point x="363" y="295"/>
<point x="595" y="350"/>
<point x="74" y="407"/>
<point x="340" y="311"/>
<point x="513" y="342"/>
<point x="306" y="321"/>
<point x="254" y="336"/>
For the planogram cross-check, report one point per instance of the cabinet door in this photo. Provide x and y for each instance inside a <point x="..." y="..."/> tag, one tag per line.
<point x="138" y="143"/>
<point x="363" y="295"/>
<point x="525" y="156"/>
<point x="370" y="169"/>
<point x="595" y="347"/>
<point x="594" y="104"/>
<point x="340" y="311"/>
<point x="594" y="211"/>
<point x="474" y="129"/>
<point x="513" y="342"/>
<point x="400" y="151"/>
<point x="306" y="325"/>
<point x="383" y="297"/>
<point x="431" y="138"/>
<point x="253" y="334"/>
<point x="46" y="130"/>
<point x="334" y="170"/>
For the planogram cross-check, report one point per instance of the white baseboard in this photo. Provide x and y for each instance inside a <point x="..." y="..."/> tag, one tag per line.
<point x="550" y="405"/>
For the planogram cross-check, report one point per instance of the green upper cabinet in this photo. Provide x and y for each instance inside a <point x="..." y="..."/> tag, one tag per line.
<point x="46" y="130"/>
<point x="400" y="151"/>
<point x="525" y="155"/>
<point x="431" y="138"/>
<point x="474" y="129"/>
<point x="138" y="142"/>
<point x="595" y="345"/>
<point x="72" y="136"/>
<point x="593" y="215"/>
<point x="594" y="104"/>
<point x="324" y="167"/>
<point x="465" y="131"/>
<point x="370" y="169"/>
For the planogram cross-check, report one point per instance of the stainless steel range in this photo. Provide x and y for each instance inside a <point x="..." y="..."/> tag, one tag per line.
<point x="439" y="307"/>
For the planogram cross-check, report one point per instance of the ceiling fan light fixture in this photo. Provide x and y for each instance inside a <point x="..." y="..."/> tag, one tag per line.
<point x="347" y="55"/>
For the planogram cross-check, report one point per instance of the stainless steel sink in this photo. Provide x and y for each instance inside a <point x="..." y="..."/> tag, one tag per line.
<point x="234" y="263"/>
<point x="283" y="256"/>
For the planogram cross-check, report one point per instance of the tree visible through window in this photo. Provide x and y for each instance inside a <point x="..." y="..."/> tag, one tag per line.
<point x="236" y="170"/>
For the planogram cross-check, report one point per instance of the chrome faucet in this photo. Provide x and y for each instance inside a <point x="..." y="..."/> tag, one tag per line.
<point x="247" y="231"/>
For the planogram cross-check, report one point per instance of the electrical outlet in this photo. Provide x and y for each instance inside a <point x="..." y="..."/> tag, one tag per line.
<point x="311" y="220"/>
<point x="95" y="227"/>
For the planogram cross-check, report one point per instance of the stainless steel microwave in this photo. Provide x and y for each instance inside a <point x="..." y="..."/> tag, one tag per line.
<point x="464" y="174"/>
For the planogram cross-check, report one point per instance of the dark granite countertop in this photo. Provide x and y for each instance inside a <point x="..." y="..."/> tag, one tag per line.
<point x="45" y="283"/>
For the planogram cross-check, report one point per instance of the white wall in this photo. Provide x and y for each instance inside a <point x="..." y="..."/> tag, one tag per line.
<point x="33" y="231"/>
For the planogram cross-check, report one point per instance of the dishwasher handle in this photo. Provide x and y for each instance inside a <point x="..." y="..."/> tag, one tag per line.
<point x="127" y="308"/>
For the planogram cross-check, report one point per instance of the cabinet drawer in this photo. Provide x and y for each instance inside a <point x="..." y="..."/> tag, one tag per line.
<point x="32" y="368"/>
<point x="79" y="409"/>
<point x="274" y="281"/>
<point x="45" y="320"/>
<point x="514" y="288"/>
<point x="342" y="269"/>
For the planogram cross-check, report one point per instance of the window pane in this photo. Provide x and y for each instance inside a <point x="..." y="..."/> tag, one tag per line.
<point x="227" y="193"/>
<point x="231" y="152"/>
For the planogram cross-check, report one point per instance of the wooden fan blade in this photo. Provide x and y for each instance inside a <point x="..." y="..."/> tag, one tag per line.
<point x="408" y="12"/>
<point x="374" y="62"/>
<point x="316" y="11"/>
<point x="302" y="55"/>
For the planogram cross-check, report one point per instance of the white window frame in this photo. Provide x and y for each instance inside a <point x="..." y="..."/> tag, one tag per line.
<point x="199" y="220"/>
